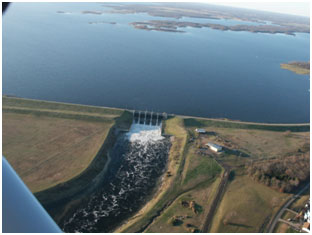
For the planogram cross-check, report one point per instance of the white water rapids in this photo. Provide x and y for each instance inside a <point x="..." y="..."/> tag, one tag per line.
<point x="138" y="159"/>
<point x="144" y="133"/>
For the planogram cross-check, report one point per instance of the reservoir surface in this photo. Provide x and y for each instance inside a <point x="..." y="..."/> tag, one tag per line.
<point x="203" y="72"/>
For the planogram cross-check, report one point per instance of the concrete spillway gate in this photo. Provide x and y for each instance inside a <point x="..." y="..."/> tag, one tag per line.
<point x="148" y="118"/>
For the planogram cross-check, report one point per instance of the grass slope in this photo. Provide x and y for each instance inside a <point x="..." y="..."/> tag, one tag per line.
<point x="198" y="123"/>
<point x="49" y="143"/>
<point x="245" y="206"/>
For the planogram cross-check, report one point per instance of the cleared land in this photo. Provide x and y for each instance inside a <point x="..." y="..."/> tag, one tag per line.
<point x="49" y="143"/>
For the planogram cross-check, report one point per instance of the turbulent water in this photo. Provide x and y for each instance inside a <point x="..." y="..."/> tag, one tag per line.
<point x="138" y="160"/>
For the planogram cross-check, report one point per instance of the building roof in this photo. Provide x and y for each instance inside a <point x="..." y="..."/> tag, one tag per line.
<point x="214" y="146"/>
<point x="200" y="130"/>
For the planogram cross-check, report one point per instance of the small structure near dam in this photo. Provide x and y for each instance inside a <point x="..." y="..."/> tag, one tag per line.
<point x="148" y="118"/>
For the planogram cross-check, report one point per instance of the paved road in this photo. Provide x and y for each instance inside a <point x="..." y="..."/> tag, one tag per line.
<point x="283" y="208"/>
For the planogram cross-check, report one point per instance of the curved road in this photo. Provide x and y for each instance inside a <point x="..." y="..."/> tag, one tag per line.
<point x="283" y="208"/>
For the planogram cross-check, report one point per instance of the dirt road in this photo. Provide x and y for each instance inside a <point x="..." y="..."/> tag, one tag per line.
<point x="217" y="199"/>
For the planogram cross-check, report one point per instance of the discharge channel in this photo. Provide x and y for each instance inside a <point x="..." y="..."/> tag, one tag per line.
<point x="139" y="158"/>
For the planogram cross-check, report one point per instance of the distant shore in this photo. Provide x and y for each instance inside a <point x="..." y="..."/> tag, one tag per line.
<point x="174" y="26"/>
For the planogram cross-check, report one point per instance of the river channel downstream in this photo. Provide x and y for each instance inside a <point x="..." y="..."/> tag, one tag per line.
<point x="138" y="159"/>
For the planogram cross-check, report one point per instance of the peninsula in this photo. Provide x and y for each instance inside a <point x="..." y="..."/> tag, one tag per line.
<point x="297" y="67"/>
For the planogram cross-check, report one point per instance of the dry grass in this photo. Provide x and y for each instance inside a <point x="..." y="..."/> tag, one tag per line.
<point x="202" y="196"/>
<point x="245" y="206"/>
<point x="47" y="151"/>
<point x="49" y="143"/>
<point x="281" y="228"/>
<point x="175" y="127"/>
<point x="260" y="143"/>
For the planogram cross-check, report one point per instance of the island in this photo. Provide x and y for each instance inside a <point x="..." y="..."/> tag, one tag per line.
<point x="261" y="22"/>
<point x="93" y="12"/>
<point x="297" y="67"/>
<point x="257" y="21"/>
<point x="102" y="22"/>
<point x="63" y="12"/>
<point x="173" y="26"/>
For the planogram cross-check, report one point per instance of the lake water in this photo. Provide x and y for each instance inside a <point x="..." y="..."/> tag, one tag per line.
<point x="203" y="72"/>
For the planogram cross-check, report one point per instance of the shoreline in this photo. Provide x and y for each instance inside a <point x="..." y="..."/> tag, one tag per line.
<point x="169" y="114"/>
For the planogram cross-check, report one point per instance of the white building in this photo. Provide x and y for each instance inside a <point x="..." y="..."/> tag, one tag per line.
<point x="306" y="225"/>
<point x="200" y="130"/>
<point x="214" y="147"/>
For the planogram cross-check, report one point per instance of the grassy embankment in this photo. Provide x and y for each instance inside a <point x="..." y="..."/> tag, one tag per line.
<point x="49" y="143"/>
<point x="248" y="206"/>
<point x="297" y="68"/>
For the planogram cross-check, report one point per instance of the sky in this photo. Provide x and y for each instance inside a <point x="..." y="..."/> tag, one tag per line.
<point x="294" y="8"/>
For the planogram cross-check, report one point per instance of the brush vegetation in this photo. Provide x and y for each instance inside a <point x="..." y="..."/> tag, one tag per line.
<point x="285" y="175"/>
